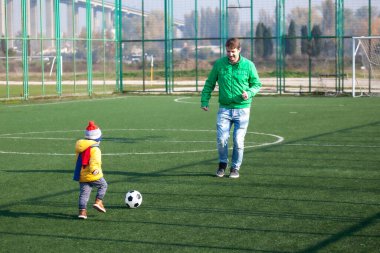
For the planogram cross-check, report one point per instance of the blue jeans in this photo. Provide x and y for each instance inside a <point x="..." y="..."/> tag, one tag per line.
<point x="226" y="118"/>
<point x="86" y="188"/>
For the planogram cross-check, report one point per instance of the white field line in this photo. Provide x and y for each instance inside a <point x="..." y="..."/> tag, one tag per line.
<point x="331" y="145"/>
<point x="47" y="103"/>
<point x="277" y="140"/>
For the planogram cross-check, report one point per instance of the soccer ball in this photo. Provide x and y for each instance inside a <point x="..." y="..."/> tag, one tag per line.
<point x="133" y="199"/>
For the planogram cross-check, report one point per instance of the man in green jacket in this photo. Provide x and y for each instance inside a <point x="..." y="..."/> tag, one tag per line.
<point x="238" y="83"/>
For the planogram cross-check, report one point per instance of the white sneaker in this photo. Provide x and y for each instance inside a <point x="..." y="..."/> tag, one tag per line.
<point x="234" y="173"/>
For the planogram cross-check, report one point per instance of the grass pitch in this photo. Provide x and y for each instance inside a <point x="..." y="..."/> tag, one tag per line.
<point x="309" y="181"/>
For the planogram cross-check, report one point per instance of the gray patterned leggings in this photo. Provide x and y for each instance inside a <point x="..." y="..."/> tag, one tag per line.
<point x="86" y="188"/>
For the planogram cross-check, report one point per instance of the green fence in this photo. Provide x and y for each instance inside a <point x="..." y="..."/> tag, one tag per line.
<point x="82" y="47"/>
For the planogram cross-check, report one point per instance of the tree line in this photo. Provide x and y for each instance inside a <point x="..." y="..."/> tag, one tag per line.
<point x="264" y="44"/>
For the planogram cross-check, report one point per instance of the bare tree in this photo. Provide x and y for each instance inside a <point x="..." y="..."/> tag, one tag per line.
<point x="328" y="20"/>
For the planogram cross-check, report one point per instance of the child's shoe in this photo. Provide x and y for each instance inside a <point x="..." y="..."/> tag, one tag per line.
<point x="82" y="214"/>
<point x="99" y="206"/>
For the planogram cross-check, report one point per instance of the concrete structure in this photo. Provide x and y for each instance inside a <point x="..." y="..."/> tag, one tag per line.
<point x="8" y="14"/>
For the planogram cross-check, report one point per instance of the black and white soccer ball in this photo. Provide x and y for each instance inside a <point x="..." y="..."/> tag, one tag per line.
<point x="133" y="199"/>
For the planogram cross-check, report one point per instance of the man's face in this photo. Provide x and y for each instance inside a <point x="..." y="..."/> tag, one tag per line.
<point x="233" y="55"/>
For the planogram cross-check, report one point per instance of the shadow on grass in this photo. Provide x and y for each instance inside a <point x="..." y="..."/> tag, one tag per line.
<point x="170" y="172"/>
<point x="158" y="243"/>
<point x="332" y="238"/>
<point x="350" y="231"/>
<point x="132" y="139"/>
<point x="11" y="214"/>
<point x="297" y="216"/>
<point x="359" y="225"/>
<point x="119" y="173"/>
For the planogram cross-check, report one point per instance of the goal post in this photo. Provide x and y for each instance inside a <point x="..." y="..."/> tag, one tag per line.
<point x="365" y="65"/>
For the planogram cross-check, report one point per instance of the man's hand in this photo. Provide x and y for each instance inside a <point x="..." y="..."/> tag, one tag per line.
<point x="204" y="108"/>
<point x="244" y="95"/>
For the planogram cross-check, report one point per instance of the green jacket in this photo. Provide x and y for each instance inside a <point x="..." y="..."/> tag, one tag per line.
<point x="232" y="79"/>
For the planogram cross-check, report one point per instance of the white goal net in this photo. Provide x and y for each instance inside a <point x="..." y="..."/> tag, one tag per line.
<point x="365" y="65"/>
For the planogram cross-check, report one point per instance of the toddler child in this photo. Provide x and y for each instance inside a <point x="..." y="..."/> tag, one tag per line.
<point x="88" y="170"/>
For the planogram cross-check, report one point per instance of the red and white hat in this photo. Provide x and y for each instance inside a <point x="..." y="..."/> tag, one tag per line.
<point x="92" y="131"/>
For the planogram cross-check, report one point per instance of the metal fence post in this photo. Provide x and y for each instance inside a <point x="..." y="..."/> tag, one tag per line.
<point x="58" y="47"/>
<point x="25" y="50"/>
<point x="89" y="46"/>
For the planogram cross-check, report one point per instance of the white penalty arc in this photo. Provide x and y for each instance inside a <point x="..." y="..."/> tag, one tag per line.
<point x="183" y="100"/>
<point x="276" y="140"/>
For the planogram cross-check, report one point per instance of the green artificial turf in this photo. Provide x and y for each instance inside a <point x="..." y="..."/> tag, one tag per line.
<point x="309" y="181"/>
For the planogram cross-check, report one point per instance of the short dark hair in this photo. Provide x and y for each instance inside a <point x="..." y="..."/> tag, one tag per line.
<point x="233" y="43"/>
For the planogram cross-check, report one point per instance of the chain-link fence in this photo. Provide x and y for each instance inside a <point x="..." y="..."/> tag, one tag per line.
<point x="76" y="47"/>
